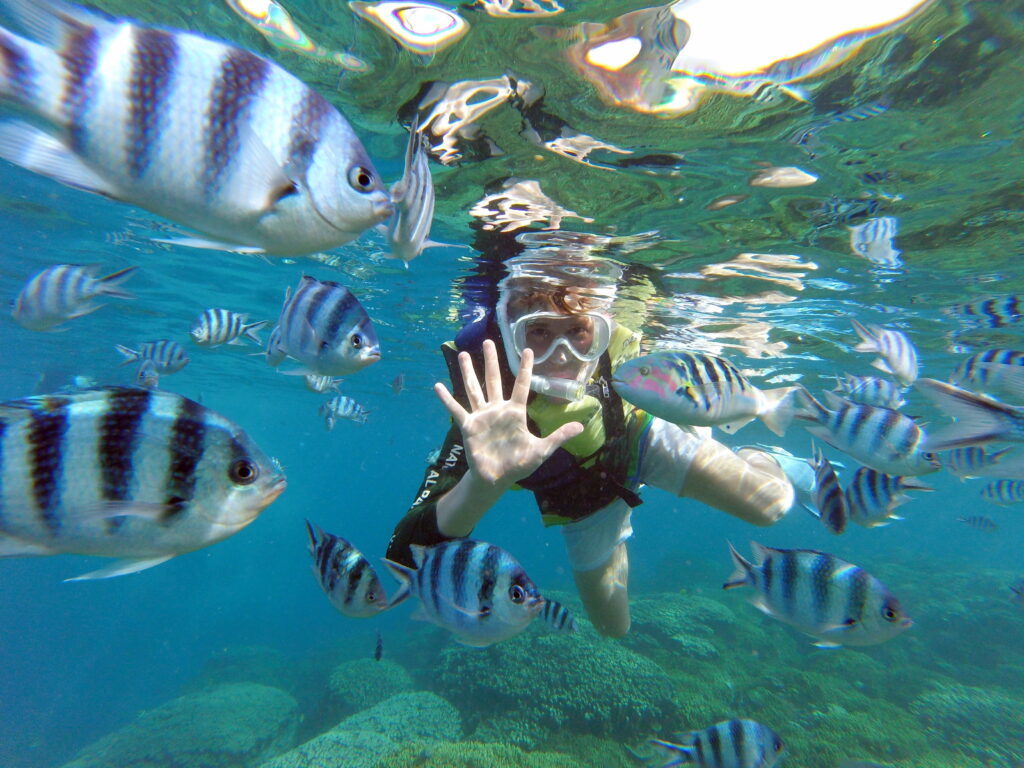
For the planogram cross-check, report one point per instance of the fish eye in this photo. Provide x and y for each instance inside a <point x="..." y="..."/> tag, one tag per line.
<point x="357" y="340"/>
<point x="777" y="743"/>
<point x="929" y="456"/>
<point x="243" y="472"/>
<point x="371" y="597"/>
<point x="645" y="370"/>
<point x="516" y="594"/>
<point x="360" y="178"/>
<point x="888" y="613"/>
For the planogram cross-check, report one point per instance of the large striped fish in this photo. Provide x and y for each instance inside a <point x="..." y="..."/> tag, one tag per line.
<point x="475" y="590"/>
<point x="64" y="292"/>
<point x="828" y="598"/>
<point x="196" y="130"/>
<point x="123" y="472"/>
<point x="729" y="744"/>
<point x="345" y="575"/>
<point x="325" y="328"/>
<point x="700" y="390"/>
<point x="881" y="438"/>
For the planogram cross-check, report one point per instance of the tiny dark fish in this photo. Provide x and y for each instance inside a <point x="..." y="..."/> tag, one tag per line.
<point x="378" y="649"/>
<point x="1018" y="592"/>
<point x="398" y="384"/>
<point x="980" y="522"/>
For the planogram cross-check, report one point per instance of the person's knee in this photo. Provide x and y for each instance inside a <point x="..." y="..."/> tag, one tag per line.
<point x="615" y="627"/>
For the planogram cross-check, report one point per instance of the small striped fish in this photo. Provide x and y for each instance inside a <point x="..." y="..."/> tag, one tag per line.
<point x="125" y="472"/>
<point x="980" y="522"/>
<point x="870" y="390"/>
<point x="473" y="589"/>
<point x="996" y="312"/>
<point x="874" y="240"/>
<point x="1004" y="492"/>
<point x="821" y="595"/>
<point x="274" y="352"/>
<point x="64" y="292"/>
<point x="872" y="497"/>
<point x="322" y="384"/>
<point x="345" y="575"/>
<point x="994" y="371"/>
<point x="897" y="354"/>
<point x="880" y="438"/>
<point x="828" y="495"/>
<point x="973" y="461"/>
<point x="222" y="326"/>
<point x="408" y="230"/>
<point x="557" y="617"/>
<point x="325" y="328"/>
<point x="198" y="131"/>
<point x="700" y="390"/>
<point x="979" y="420"/>
<point x="729" y="744"/>
<point x="342" y="407"/>
<point x="167" y="356"/>
<point x="147" y="375"/>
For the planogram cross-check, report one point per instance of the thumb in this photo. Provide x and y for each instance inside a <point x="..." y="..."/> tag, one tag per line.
<point x="561" y="435"/>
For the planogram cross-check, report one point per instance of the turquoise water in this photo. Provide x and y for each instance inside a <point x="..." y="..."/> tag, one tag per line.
<point x="942" y="156"/>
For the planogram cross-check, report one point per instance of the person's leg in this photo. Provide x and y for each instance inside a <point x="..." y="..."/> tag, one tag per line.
<point x="605" y="593"/>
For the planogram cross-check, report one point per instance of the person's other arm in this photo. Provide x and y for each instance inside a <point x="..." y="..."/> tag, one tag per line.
<point x="748" y="484"/>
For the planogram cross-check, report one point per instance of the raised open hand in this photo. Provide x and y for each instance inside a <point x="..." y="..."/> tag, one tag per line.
<point x="499" y="447"/>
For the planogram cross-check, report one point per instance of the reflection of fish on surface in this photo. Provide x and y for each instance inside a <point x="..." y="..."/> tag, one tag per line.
<point x="874" y="239"/>
<point x="728" y="744"/>
<point x="897" y="355"/>
<point x="208" y="135"/>
<point x="994" y="371"/>
<point x="65" y="292"/>
<point x="124" y="472"/>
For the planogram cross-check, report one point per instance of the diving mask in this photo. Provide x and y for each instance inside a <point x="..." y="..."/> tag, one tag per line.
<point x="584" y="336"/>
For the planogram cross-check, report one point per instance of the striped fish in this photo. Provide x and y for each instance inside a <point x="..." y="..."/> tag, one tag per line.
<point x="408" y="230"/>
<point x="700" y="390"/>
<point x="980" y="522"/>
<point x="322" y="384"/>
<point x="994" y="371"/>
<point x="557" y="617"/>
<point x="729" y="744"/>
<point x="821" y="595"/>
<point x="325" y="328"/>
<point x="167" y="356"/>
<point x="870" y="390"/>
<point x="64" y="292"/>
<point x="872" y="497"/>
<point x="147" y="375"/>
<point x="829" y="499"/>
<point x="342" y="407"/>
<point x="874" y="241"/>
<point x="896" y="354"/>
<point x="222" y="326"/>
<point x="345" y="575"/>
<point x="880" y="438"/>
<point x="475" y="590"/>
<point x="125" y="472"/>
<point x="995" y="312"/>
<point x="1004" y="492"/>
<point x="979" y="420"/>
<point x="198" y="131"/>
<point x="973" y="461"/>
<point x="274" y="352"/>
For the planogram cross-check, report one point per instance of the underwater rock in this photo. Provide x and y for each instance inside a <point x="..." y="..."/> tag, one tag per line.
<point x="681" y="623"/>
<point x="362" y="683"/>
<point x="472" y="754"/>
<point x="361" y="740"/>
<point x="229" y="726"/>
<point x="983" y="722"/>
<point x="581" y="683"/>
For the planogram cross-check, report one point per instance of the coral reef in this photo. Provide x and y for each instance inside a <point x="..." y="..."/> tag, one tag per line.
<point x="228" y="726"/>
<point x="362" y="683"/>
<point x="471" y="754"/>
<point x="361" y="740"/>
<point x="986" y="723"/>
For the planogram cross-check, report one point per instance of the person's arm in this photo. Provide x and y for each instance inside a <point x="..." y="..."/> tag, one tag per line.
<point x="748" y="484"/>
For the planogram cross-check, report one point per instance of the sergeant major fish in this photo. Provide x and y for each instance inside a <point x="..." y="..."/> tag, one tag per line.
<point x="871" y="497"/>
<point x="147" y="375"/>
<point x="821" y="595"/>
<point x="345" y="575"/>
<point x="881" y="438"/>
<point x="995" y="371"/>
<point x="325" y="328"/>
<point x="973" y="461"/>
<point x="873" y="240"/>
<point x="728" y="744"/>
<point x="896" y="354"/>
<point x="475" y="590"/>
<point x="979" y="419"/>
<point x="1004" y="492"/>
<point x="64" y="292"/>
<point x="870" y="390"/>
<point x="198" y="131"/>
<point x="128" y="473"/>
<point x="342" y="407"/>
<point x="700" y="390"/>
<point x="218" y="326"/>
<point x="979" y="522"/>
<point x="322" y="384"/>
<point x="828" y="495"/>
<point x="557" y="617"/>
<point x="167" y="356"/>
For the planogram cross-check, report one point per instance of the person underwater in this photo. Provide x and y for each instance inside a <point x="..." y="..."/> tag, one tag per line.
<point x="532" y="407"/>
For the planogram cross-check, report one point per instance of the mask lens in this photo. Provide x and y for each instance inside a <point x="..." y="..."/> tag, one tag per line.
<point x="585" y="336"/>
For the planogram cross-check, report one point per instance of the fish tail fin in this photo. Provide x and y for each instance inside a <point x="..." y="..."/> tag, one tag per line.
<point x="780" y="408"/>
<point x="313" y="539"/>
<point x="130" y="355"/>
<point x="806" y="406"/>
<point x="979" y="419"/>
<point x="913" y="484"/>
<point x="677" y="754"/>
<point x="109" y="285"/>
<point x="868" y="337"/>
<point x="403" y="575"/>
<point x="743" y="573"/>
<point x="249" y="331"/>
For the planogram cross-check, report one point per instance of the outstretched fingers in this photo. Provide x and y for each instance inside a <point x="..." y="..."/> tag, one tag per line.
<point x="521" y="390"/>
<point x="458" y="413"/>
<point x="492" y="372"/>
<point x="562" y="435"/>
<point x="471" y="382"/>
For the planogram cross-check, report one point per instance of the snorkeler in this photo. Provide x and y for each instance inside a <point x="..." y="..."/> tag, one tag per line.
<point x="532" y="407"/>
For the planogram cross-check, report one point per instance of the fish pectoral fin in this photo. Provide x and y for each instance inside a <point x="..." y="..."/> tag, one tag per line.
<point x="844" y="626"/>
<point x="36" y="150"/>
<point x="122" y="568"/>
<point x="735" y="426"/>
<point x="210" y="244"/>
<point x="883" y="366"/>
<point x="261" y="182"/>
<point x="826" y="644"/>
